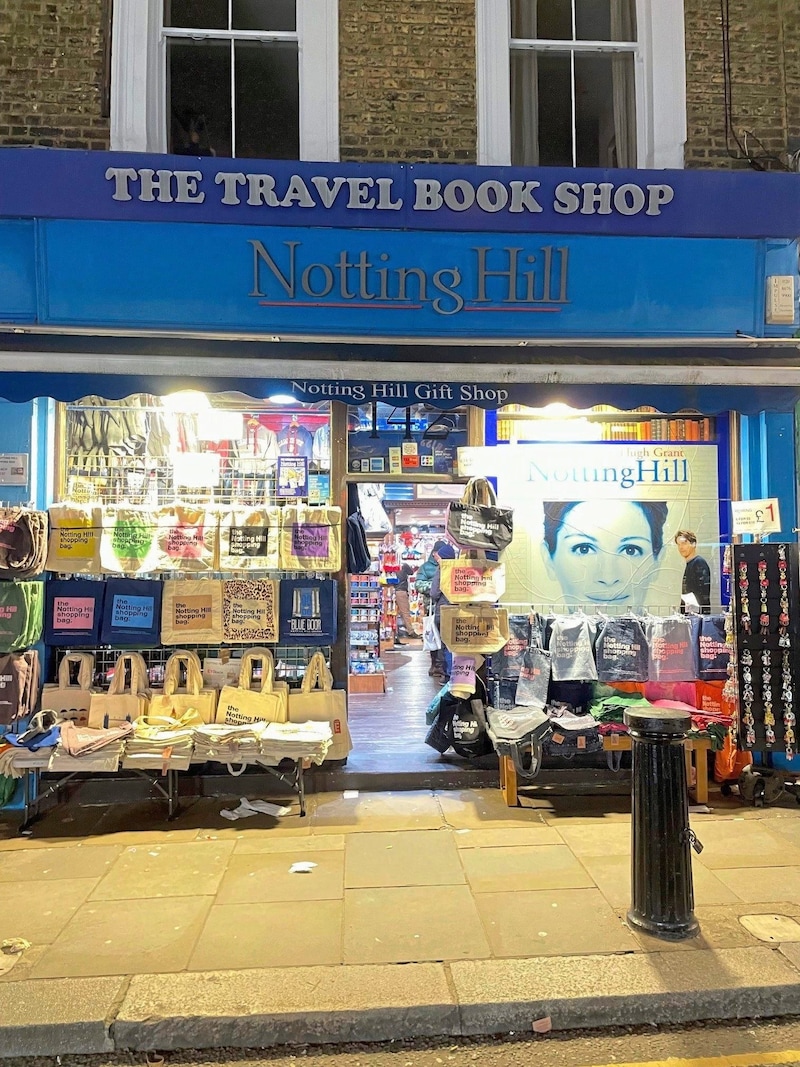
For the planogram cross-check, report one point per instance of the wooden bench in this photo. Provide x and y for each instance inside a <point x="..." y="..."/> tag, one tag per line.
<point x="696" y="774"/>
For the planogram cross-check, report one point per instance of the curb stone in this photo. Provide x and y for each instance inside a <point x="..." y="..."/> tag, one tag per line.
<point x="372" y="1003"/>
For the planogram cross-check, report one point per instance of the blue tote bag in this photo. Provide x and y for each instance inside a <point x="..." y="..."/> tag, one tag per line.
<point x="308" y="609"/>
<point x="73" y="612"/>
<point x="132" y="613"/>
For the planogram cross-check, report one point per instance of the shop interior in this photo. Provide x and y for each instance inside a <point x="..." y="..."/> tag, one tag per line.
<point x="393" y="678"/>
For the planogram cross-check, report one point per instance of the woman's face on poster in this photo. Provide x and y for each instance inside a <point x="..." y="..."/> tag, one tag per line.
<point x="603" y="553"/>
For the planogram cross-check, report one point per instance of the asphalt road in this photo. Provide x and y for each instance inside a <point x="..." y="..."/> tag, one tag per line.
<point x="743" y="1044"/>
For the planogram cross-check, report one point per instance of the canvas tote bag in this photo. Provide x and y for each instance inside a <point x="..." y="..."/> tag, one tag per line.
<point x="471" y="578"/>
<point x="126" y="699"/>
<point x="187" y="538"/>
<point x="240" y="705"/>
<point x="191" y="612"/>
<point x="71" y="699"/>
<point x="249" y="539"/>
<point x="73" y="612"/>
<point x="250" y="610"/>
<point x="128" y="542"/>
<point x="477" y="522"/>
<point x="23" y="542"/>
<point x="132" y="612"/>
<point x="474" y="628"/>
<point x="74" y="541"/>
<point x="311" y="538"/>
<point x="173" y="701"/>
<point x="318" y="701"/>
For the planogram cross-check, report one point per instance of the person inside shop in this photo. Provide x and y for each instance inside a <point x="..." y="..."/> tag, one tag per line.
<point x="403" y="604"/>
<point x="603" y="551"/>
<point x="696" y="574"/>
<point x="441" y="659"/>
<point x="193" y="135"/>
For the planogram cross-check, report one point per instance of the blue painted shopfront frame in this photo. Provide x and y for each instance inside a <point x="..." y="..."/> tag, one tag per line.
<point x="306" y="281"/>
<point x="345" y="282"/>
<point x="139" y="187"/>
<point x="160" y="246"/>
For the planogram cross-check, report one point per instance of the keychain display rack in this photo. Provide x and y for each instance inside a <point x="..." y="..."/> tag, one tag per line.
<point x="766" y="590"/>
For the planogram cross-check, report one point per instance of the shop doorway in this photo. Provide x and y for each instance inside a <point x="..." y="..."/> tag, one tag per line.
<point x="392" y="677"/>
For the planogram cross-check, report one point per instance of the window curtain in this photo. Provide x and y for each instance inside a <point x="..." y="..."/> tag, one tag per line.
<point x="623" y="28"/>
<point x="524" y="87"/>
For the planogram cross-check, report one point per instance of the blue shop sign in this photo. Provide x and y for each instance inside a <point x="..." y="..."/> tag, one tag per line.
<point x="364" y="283"/>
<point x="134" y="187"/>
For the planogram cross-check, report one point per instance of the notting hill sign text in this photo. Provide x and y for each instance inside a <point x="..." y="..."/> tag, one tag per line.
<point x="516" y="277"/>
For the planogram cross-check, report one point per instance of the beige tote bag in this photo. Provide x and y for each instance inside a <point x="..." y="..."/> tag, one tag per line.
<point x="250" y="610"/>
<point x="318" y="701"/>
<point x="471" y="578"/>
<point x="191" y="612"/>
<point x="240" y="705"/>
<point x="128" y="542"/>
<point x="311" y="538"/>
<point x="126" y="699"/>
<point x="476" y="628"/>
<point x="71" y="699"/>
<point x="187" y="538"/>
<point x="249" y="539"/>
<point x="173" y="701"/>
<point x="73" y="545"/>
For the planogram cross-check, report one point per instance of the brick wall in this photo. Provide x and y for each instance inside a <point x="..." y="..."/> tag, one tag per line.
<point x="407" y="80"/>
<point x="765" y="70"/>
<point x="51" y="73"/>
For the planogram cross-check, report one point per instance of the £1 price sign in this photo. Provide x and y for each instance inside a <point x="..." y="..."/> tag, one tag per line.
<point x="756" y="517"/>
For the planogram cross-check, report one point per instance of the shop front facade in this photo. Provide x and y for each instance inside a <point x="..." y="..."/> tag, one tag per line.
<point x="288" y="341"/>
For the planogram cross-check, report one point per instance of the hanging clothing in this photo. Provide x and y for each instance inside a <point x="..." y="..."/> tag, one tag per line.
<point x="321" y="448"/>
<point x="295" y="440"/>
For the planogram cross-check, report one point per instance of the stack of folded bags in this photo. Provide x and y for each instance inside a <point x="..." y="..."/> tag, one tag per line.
<point x="82" y="749"/>
<point x="159" y="744"/>
<point x="228" y="744"/>
<point x="296" y="741"/>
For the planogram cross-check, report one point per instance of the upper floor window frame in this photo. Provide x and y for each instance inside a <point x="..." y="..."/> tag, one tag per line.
<point x="138" y="74"/>
<point x="659" y="74"/>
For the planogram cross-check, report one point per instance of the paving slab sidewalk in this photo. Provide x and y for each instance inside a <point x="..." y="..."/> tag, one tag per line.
<point x="426" y="914"/>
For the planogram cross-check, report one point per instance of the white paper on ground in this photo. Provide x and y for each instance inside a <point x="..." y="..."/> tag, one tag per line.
<point x="11" y="952"/>
<point x="350" y="794"/>
<point x="264" y="807"/>
<point x="699" y="809"/>
<point x="303" y="867"/>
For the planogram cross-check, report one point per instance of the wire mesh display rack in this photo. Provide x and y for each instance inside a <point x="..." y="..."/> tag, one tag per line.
<point x="290" y="660"/>
<point x="142" y="452"/>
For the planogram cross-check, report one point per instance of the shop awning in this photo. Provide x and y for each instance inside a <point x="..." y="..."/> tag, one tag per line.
<point x="749" y="378"/>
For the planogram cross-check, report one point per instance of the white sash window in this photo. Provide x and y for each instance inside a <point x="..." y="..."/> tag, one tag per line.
<point x="247" y="78"/>
<point x="581" y="83"/>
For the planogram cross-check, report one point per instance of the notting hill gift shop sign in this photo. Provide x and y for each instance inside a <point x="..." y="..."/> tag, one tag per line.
<point x="140" y="241"/>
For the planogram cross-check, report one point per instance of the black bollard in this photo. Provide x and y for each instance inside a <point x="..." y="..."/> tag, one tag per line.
<point x="662" y="893"/>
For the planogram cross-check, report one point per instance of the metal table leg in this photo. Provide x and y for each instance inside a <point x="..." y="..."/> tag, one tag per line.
<point x="301" y="787"/>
